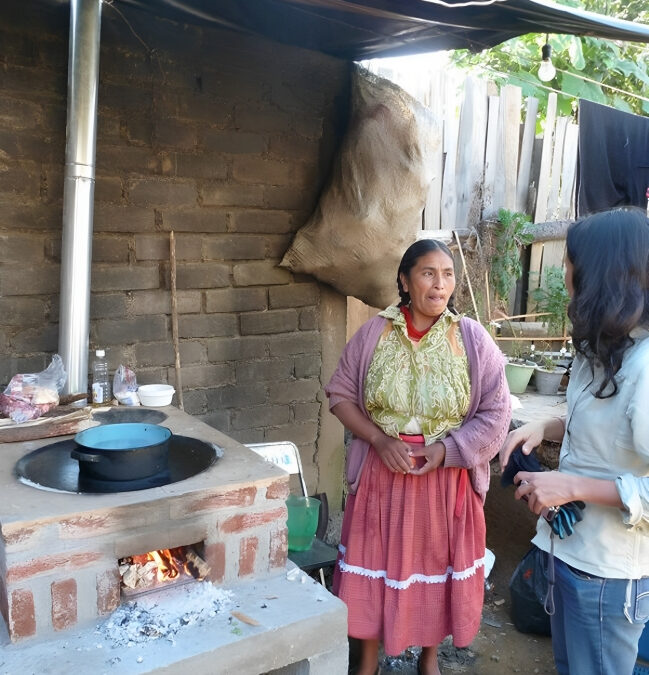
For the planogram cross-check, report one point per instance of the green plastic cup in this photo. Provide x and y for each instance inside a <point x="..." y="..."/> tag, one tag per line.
<point x="303" y="513"/>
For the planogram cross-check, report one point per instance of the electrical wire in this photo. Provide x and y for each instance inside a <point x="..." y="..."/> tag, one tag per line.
<point x="603" y="84"/>
<point x="558" y="91"/>
<point x="565" y="72"/>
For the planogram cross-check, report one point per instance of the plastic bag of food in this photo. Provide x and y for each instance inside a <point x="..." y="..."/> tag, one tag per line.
<point x="30" y="395"/>
<point x="125" y="386"/>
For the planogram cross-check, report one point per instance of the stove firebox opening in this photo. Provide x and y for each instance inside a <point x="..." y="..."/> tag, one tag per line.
<point x="151" y="571"/>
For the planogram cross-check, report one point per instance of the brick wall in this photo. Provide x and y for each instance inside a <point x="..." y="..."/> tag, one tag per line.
<point x="225" y="139"/>
<point x="62" y="571"/>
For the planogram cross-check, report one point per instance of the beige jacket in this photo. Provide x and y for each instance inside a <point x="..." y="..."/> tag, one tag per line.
<point x="609" y="439"/>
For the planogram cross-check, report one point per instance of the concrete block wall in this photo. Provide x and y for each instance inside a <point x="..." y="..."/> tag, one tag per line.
<point x="224" y="138"/>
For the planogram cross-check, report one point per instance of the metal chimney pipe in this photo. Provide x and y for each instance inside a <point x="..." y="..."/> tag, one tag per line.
<point x="78" y="191"/>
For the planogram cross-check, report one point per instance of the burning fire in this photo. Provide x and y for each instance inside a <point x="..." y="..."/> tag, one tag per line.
<point x="150" y="570"/>
<point x="166" y="566"/>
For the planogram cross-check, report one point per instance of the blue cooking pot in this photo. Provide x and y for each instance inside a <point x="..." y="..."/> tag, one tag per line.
<point x="127" y="451"/>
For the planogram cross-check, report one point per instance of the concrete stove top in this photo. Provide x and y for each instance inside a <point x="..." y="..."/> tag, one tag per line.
<point x="237" y="467"/>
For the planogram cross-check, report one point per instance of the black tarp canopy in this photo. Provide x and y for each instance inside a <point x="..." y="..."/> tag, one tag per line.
<point x="363" y="29"/>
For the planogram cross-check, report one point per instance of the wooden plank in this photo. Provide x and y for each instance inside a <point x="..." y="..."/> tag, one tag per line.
<point x="470" y="154"/>
<point x="544" y="253"/>
<point x="451" y="124"/>
<point x="432" y="210"/>
<point x="436" y="93"/>
<point x="525" y="162"/>
<point x="568" y="172"/>
<point x="534" y="275"/>
<point x="60" y="421"/>
<point x="557" y="159"/>
<point x="546" y="159"/>
<point x="510" y="115"/>
<point x="535" y="170"/>
<point x="489" y="208"/>
<point x="446" y="236"/>
<point x="554" y="229"/>
<point x="357" y="314"/>
<point x="553" y="255"/>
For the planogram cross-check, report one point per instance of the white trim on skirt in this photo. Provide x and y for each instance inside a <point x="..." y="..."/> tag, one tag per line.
<point x="413" y="578"/>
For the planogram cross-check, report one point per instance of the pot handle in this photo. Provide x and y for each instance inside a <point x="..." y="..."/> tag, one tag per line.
<point x="83" y="456"/>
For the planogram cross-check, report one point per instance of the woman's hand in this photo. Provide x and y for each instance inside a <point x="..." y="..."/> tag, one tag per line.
<point x="545" y="488"/>
<point x="554" y="488"/>
<point x="530" y="435"/>
<point x="434" y="455"/>
<point x="394" y="453"/>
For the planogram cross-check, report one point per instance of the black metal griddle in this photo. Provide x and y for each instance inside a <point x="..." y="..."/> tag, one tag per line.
<point x="51" y="467"/>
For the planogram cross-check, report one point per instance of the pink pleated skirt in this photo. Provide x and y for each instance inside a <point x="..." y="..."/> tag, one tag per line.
<point x="411" y="560"/>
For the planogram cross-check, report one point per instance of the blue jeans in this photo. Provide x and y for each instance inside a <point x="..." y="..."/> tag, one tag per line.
<point x="591" y="632"/>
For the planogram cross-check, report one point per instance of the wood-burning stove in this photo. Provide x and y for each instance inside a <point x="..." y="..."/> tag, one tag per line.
<point x="61" y="543"/>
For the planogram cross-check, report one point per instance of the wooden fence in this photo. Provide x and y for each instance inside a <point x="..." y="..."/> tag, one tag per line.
<point x="490" y="157"/>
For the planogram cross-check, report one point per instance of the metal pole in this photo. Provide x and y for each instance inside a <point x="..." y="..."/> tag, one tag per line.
<point x="78" y="191"/>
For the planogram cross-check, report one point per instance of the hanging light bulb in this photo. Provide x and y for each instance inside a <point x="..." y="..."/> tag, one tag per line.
<point x="547" y="71"/>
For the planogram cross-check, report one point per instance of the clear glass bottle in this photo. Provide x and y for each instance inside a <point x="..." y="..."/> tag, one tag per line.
<point x="100" y="379"/>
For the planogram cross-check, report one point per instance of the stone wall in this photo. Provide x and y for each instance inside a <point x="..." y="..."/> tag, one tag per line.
<point x="222" y="137"/>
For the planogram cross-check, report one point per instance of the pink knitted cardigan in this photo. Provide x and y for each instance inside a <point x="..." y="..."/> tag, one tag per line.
<point x="485" y="426"/>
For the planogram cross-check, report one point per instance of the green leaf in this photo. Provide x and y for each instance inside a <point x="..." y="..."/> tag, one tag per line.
<point x="560" y="42"/>
<point x="582" y="89"/>
<point x="621" y="104"/>
<point x="620" y="64"/>
<point x="506" y="267"/>
<point x="552" y="298"/>
<point x="576" y="53"/>
<point x="565" y="105"/>
<point x="633" y="69"/>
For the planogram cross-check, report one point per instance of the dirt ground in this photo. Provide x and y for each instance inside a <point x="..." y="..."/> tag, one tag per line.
<point x="498" y="648"/>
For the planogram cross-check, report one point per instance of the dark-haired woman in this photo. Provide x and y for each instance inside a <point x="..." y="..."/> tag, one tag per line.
<point x="424" y="394"/>
<point x="602" y="568"/>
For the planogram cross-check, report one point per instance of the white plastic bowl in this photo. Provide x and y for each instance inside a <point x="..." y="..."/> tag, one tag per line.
<point x="155" y="395"/>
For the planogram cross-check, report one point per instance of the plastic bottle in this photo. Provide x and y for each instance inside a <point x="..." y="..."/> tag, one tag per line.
<point x="100" y="381"/>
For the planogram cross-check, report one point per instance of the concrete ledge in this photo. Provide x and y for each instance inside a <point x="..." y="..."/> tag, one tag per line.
<point x="302" y="629"/>
<point x="534" y="406"/>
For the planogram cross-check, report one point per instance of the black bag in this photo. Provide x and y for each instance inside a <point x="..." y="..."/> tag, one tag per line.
<point x="528" y="588"/>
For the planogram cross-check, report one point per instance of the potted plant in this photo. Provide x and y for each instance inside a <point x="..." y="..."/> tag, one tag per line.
<point x="518" y="369"/>
<point x="548" y="375"/>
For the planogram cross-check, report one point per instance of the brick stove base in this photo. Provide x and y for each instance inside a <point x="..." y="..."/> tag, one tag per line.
<point x="59" y="578"/>
<point x="59" y="550"/>
<point x="302" y="631"/>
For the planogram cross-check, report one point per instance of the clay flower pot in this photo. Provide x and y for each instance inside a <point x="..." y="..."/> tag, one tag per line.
<point x="518" y="374"/>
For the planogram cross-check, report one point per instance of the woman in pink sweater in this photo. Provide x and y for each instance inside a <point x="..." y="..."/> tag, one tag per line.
<point x="423" y="392"/>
